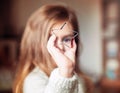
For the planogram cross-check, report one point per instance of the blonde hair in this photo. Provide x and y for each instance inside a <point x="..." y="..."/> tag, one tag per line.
<point x="33" y="51"/>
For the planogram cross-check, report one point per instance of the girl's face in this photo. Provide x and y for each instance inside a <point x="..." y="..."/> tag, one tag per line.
<point x="65" y="35"/>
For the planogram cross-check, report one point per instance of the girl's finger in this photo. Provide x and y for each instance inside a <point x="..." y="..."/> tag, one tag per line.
<point x="51" y="46"/>
<point x="52" y="40"/>
<point x="74" y="46"/>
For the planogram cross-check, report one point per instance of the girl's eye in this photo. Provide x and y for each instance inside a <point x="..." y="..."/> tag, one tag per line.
<point x="67" y="39"/>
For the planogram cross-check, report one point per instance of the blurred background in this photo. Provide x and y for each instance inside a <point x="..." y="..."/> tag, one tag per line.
<point x="99" y="31"/>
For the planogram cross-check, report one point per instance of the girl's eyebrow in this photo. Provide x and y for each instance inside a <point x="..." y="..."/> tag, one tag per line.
<point x="68" y="35"/>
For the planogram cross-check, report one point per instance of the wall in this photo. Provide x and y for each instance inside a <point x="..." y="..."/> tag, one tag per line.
<point x="89" y="15"/>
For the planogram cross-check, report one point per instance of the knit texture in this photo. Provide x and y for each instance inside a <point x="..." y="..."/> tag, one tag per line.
<point x="38" y="82"/>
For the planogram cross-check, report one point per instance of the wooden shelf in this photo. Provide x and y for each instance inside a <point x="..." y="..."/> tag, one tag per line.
<point x="110" y="86"/>
<point x="109" y="83"/>
<point x="111" y="17"/>
<point x="111" y="43"/>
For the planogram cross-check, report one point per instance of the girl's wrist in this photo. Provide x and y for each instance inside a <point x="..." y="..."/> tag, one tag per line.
<point x="66" y="73"/>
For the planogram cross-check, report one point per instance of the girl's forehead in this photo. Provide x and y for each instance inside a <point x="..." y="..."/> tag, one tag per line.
<point x="62" y="29"/>
<point x="62" y="25"/>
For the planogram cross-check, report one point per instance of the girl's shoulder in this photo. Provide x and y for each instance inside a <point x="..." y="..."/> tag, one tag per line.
<point x="36" y="79"/>
<point x="36" y="74"/>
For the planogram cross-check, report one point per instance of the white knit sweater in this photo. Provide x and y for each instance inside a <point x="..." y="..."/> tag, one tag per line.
<point x="38" y="82"/>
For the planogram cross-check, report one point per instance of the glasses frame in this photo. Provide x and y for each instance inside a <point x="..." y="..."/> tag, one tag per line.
<point x="53" y="31"/>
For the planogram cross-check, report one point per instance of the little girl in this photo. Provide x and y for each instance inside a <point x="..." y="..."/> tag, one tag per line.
<point x="49" y="53"/>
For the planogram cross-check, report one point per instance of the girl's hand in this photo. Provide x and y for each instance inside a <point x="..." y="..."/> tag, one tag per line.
<point x="65" y="60"/>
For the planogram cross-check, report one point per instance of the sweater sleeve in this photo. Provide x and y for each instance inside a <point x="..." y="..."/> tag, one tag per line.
<point x="55" y="84"/>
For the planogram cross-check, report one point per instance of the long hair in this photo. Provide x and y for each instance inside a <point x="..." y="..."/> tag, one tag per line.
<point x="33" y="51"/>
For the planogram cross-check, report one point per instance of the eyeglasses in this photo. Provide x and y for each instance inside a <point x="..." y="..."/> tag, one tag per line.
<point x="66" y="41"/>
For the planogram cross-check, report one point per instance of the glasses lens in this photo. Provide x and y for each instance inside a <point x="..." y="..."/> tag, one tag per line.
<point x="68" y="41"/>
